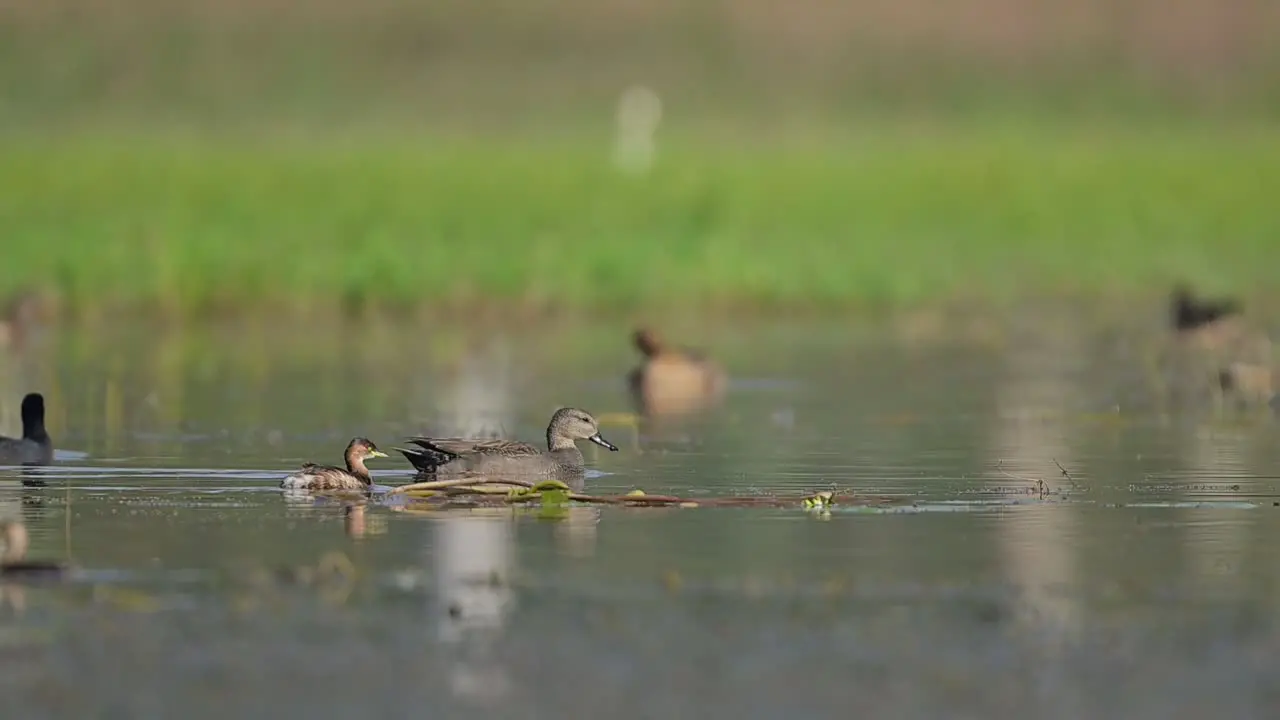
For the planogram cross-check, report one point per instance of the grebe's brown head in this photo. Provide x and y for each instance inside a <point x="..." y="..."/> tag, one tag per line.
<point x="364" y="449"/>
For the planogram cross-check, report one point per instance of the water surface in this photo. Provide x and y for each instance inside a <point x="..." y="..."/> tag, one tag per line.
<point x="1068" y="543"/>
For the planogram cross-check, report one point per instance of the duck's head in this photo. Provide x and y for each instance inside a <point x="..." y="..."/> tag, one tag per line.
<point x="33" y="416"/>
<point x="33" y="407"/>
<point x="1189" y="312"/>
<point x="574" y="424"/>
<point x="646" y="341"/>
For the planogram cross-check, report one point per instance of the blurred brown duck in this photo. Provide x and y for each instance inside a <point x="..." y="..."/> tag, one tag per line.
<point x="328" y="477"/>
<point x="672" y="380"/>
<point x="1210" y="323"/>
<point x="1248" y="382"/>
<point x="13" y="563"/>
<point x="442" y="458"/>
<point x="35" y="446"/>
<point x="1217" y="329"/>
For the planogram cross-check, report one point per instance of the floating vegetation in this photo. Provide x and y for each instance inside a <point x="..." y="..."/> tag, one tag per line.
<point x="553" y="493"/>
<point x="821" y="501"/>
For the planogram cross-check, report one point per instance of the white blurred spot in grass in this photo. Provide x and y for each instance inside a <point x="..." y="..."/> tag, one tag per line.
<point x="639" y="114"/>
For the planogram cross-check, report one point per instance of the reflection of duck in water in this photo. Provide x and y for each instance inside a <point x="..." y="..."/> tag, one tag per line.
<point x="13" y="564"/>
<point x="328" y="477"/>
<point x="672" y="380"/>
<point x="34" y="447"/>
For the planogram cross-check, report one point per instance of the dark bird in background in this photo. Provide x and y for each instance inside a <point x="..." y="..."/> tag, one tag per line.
<point x="1215" y="331"/>
<point x="34" y="447"/>
<point x="1192" y="313"/>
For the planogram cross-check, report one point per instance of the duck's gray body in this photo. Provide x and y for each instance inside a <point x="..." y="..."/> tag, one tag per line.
<point x="450" y="458"/>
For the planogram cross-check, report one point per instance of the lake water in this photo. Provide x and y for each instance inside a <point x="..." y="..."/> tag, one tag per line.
<point x="1139" y="580"/>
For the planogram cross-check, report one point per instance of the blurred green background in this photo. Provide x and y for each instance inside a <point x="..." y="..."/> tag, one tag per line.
<point x="201" y="156"/>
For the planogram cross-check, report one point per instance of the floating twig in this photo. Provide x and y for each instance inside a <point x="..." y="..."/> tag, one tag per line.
<point x="1020" y="478"/>
<point x="1039" y="485"/>
<point x="1066" y="475"/>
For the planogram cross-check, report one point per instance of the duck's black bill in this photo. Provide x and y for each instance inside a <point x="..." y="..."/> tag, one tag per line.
<point x="602" y="442"/>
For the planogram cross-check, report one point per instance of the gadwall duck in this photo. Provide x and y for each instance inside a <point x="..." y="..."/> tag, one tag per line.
<point x="328" y="477"/>
<point x="672" y="380"/>
<point x="1210" y="324"/>
<point x="13" y="563"/>
<point x="453" y="457"/>
<point x="34" y="447"/>
<point x="1214" y="332"/>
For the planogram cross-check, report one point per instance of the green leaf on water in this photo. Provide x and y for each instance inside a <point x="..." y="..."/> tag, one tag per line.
<point x="552" y="498"/>
<point x="554" y="505"/>
<point x="819" y="501"/>
<point x="550" y="485"/>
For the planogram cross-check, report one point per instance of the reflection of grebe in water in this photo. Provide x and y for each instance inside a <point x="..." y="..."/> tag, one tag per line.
<point x="13" y="562"/>
<point x="353" y="521"/>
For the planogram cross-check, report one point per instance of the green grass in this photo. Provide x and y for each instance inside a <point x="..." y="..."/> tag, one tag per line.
<point x="881" y="216"/>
